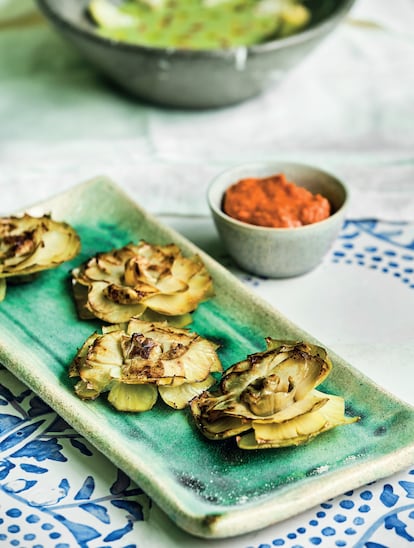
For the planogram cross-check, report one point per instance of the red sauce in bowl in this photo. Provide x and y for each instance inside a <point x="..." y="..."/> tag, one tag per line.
<point x="274" y="202"/>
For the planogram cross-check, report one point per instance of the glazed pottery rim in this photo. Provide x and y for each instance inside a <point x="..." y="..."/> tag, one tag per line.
<point x="279" y="43"/>
<point x="218" y="183"/>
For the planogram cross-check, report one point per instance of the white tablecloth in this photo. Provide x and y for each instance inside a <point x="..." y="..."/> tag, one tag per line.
<point x="349" y="108"/>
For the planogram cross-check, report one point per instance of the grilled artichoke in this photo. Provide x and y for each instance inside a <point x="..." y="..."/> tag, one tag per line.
<point x="31" y="244"/>
<point x="269" y="399"/>
<point x="142" y="280"/>
<point x="140" y="359"/>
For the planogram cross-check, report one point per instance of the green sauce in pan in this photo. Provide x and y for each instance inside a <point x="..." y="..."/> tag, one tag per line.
<point x="198" y="24"/>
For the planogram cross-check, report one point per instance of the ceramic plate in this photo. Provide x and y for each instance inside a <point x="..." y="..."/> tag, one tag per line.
<point x="210" y="489"/>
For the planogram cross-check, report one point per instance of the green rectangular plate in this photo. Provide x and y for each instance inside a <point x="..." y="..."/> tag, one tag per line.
<point x="210" y="489"/>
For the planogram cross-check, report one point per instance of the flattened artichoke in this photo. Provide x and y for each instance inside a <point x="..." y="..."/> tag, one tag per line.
<point x="136" y="361"/>
<point x="269" y="399"/>
<point x="31" y="244"/>
<point x="142" y="280"/>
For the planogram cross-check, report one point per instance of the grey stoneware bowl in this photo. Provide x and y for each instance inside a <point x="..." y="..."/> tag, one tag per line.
<point x="279" y="252"/>
<point x="190" y="78"/>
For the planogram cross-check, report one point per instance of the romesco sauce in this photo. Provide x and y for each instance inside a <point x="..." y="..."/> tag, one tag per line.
<point x="274" y="202"/>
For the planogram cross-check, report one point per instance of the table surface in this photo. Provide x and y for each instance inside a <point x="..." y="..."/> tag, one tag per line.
<point x="348" y="108"/>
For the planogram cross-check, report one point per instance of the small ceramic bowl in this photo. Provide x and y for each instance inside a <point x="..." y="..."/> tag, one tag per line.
<point x="279" y="252"/>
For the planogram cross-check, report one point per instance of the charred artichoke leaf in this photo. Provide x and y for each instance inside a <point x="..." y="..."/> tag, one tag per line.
<point x="99" y="270"/>
<point x="19" y="236"/>
<point x="223" y="428"/>
<point x="59" y="243"/>
<point x="310" y="403"/>
<point x="114" y="327"/>
<point x="179" y="397"/>
<point x="112" y="264"/>
<point x="17" y="248"/>
<point x="199" y="290"/>
<point x="220" y="417"/>
<point x="298" y="430"/>
<point x="276" y="352"/>
<point x="284" y="345"/>
<point x="31" y="244"/>
<point x="107" y="310"/>
<point x="156" y="352"/>
<point x="158" y="278"/>
<point x="271" y="380"/>
<point x="133" y="397"/>
<point x="169" y="285"/>
<point x="181" y="320"/>
<point x="154" y="261"/>
<point x="236" y="408"/>
<point x="79" y="361"/>
<point x="162" y="282"/>
<point x="98" y="363"/>
<point x="213" y="425"/>
<point x="161" y="328"/>
<point x="122" y="294"/>
<point x="86" y="391"/>
<point x="239" y="376"/>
